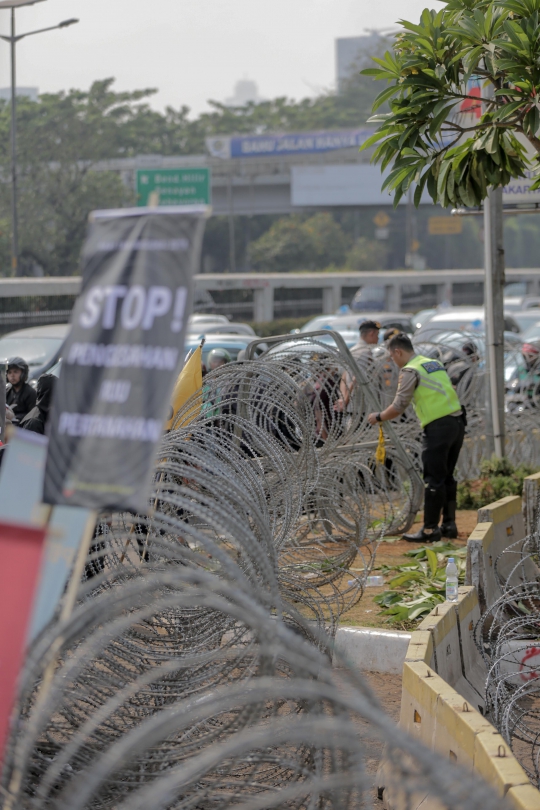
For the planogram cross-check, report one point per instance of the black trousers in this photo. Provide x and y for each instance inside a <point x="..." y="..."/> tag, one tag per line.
<point x="441" y="445"/>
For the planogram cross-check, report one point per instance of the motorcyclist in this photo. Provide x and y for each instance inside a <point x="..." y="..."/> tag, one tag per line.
<point x="217" y="358"/>
<point x="37" y="419"/>
<point x="212" y="394"/>
<point x="20" y="396"/>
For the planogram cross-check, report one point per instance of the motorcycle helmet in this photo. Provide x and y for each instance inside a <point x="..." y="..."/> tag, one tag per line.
<point x="217" y="358"/>
<point x="18" y="362"/>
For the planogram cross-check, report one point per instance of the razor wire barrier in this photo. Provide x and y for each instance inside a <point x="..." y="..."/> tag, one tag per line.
<point x="176" y="688"/>
<point x="508" y="637"/>
<point x="325" y="368"/>
<point x="195" y="671"/>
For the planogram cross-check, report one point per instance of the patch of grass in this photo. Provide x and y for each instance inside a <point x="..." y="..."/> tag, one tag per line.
<point x="417" y="586"/>
<point x="498" y="478"/>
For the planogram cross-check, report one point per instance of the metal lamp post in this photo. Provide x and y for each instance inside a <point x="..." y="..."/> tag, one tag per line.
<point x="13" y="38"/>
<point x="494" y="319"/>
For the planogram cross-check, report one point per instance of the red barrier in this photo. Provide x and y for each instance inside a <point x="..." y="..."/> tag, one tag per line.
<point x="20" y="557"/>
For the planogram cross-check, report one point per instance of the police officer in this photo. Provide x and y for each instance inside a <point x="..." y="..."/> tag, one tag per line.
<point x="20" y="396"/>
<point x="362" y="351"/>
<point x="424" y="382"/>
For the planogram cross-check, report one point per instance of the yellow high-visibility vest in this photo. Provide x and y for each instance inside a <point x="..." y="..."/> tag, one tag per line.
<point x="434" y="396"/>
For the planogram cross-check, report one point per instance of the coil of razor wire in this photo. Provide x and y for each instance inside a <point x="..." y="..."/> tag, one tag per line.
<point x="195" y="670"/>
<point x="508" y="635"/>
<point x="177" y="689"/>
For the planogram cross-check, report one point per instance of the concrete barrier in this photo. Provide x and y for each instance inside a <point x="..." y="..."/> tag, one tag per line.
<point x="442" y="702"/>
<point x="372" y="649"/>
<point x="444" y="641"/>
<point x="499" y="526"/>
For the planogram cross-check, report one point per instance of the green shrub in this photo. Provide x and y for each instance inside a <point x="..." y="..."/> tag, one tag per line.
<point x="498" y="478"/>
<point x="294" y="243"/>
<point x="367" y="254"/>
<point x="495" y="466"/>
<point x="466" y="498"/>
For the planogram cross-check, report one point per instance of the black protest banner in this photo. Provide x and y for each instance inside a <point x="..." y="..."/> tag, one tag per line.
<point x="122" y="356"/>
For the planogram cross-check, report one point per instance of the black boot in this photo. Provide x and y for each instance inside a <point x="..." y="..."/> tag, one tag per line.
<point x="449" y="529"/>
<point x="430" y="532"/>
<point x="423" y="536"/>
<point x="448" y="525"/>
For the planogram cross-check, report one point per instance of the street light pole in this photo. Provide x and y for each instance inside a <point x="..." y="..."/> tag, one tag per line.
<point x="13" y="39"/>
<point x="494" y="319"/>
<point x="14" y="206"/>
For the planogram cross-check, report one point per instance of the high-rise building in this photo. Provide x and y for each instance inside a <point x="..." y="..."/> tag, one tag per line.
<point x="353" y="54"/>
<point x="30" y="92"/>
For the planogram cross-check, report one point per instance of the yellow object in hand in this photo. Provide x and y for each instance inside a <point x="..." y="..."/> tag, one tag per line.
<point x="380" y="452"/>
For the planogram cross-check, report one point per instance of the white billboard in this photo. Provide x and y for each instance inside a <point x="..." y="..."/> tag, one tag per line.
<point x="518" y="192"/>
<point x="360" y="184"/>
<point x="348" y="184"/>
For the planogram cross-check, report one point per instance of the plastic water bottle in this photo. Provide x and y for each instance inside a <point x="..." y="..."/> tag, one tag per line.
<point x="451" y="581"/>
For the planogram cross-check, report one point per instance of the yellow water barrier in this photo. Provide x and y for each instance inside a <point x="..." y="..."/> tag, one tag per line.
<point x="442" y="698"/>
<point x="444" y="674"/>
<point x="499" y="526"/>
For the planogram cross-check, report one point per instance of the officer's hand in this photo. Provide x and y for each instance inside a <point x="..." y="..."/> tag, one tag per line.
<point x="372" y="418"/>
<point x="339" y="406"/>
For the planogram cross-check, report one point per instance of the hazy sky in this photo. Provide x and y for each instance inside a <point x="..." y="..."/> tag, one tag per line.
<point x="193" y="50"/>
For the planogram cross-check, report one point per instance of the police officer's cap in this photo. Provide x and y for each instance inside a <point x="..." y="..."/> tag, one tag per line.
<point x="391" y="332"/>
<point x="365" y="326"/>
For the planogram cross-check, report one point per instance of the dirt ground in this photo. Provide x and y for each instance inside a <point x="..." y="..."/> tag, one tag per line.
<point x="387" y="689"/>
<point x="391" y="551"/>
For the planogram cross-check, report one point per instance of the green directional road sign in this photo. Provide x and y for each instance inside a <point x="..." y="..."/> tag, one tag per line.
<point x="173" y="187"/>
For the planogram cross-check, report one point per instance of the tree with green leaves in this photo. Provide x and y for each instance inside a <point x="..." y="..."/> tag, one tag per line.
<point x="295" y="243"/>
<point x="464" y="97"/>
<point x="64" y="134"/>
<point x="60" y="139"/>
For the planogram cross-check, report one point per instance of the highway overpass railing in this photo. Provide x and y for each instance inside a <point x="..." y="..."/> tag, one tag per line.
<point x="262" y="297"/>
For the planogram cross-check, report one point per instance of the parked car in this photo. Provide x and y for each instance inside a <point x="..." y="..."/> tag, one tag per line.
<point x="461" y="319"/>
<point x="56" y="368"/>
<point x="222" y="329"/>
<point x="199" y="318"/>
<point x="350" y="336"/>
<point x="232" y="343"/>
<point x="40" y="346"/>
<point x="526" y="318"/>
<point x="351" y="322"/>
<point x="314" y="346"/>
<point x="514" y="303"/>
<point x="423" y="317"/>
<point x="370" y="297"/>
